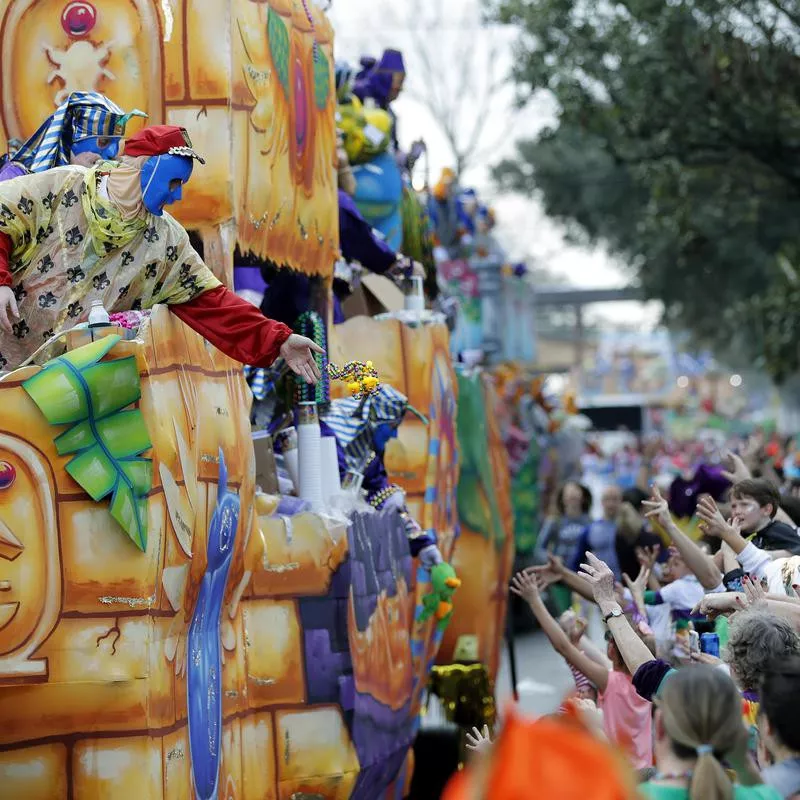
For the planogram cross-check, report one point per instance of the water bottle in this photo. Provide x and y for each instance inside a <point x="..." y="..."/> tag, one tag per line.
<point x="709" y="643"/>
<point x="98" y="316"/>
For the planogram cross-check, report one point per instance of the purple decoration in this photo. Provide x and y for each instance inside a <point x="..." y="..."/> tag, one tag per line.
<point x="248" y="278"/>
<point x="289" y="506"/>
<point x="520" y="270"/>
<point x="392" y="62"/>
<point x="11" y="170"/>
<point x="378" y="558"/>
<point x="683" y="494"/>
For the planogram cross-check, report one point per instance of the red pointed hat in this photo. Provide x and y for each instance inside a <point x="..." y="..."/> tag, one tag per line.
<point x="159" y="140"/>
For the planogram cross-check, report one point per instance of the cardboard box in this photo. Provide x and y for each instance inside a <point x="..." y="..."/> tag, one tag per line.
<point x="266" y="469"/>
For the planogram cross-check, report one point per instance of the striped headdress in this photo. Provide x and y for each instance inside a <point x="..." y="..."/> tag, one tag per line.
<point x="80" y="116"/>
<point x="354" y="421"/>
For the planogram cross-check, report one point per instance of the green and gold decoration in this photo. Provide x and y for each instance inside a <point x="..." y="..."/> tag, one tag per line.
<point x="467" y="694"/>
<point x="104" y="436"/>
<point x="361" y="377"/>
<point x="310" y="324"/>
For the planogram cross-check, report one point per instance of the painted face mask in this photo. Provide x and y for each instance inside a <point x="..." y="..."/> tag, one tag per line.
<point x="162" y="181"/>
<point x="106" y="147"/>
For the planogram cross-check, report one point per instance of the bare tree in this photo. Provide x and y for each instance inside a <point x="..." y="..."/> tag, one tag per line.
<point x="457" y="70"/>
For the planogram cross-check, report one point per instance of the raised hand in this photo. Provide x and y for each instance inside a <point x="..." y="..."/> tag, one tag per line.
<point x="711" y="520"/>
<point x="639" y="586"/>
<point x="524" y="585"/>
<point x="658" y="508"/>
<point x="647" y="556"/>
<point x="735" y="468"/>
<point x="549" y="573"/>
<point x="478" y="741"/>
<point x="600" y="576"/>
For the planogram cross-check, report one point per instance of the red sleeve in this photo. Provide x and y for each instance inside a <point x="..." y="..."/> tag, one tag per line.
<point x="5" y="259"/>
<point x="234" y="326"/>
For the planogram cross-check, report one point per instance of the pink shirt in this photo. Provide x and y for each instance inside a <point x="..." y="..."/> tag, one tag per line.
<point x="627" y="719"/>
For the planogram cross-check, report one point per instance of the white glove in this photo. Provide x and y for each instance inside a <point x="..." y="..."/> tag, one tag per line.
<point x="430" y="556"/>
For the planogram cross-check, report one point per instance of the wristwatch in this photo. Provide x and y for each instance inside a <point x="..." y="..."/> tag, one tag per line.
<point x="615" y="612"/>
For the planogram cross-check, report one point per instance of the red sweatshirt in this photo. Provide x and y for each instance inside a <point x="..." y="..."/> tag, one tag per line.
<point x="231" y="324"/>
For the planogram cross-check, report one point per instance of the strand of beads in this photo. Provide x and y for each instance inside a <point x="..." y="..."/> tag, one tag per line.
<point x="361" y="377"/>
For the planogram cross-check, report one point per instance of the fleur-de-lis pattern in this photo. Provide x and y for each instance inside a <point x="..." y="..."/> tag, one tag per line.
<point x="101" y="281"/>
<point x="3" y="361"/>
<point x="45" y="265"/>
<point x="75" y="274"/>
<point x="43" y="233"/>
<point x="20" y="329"/>
<point x="73" y="236"/>
<point x="56" y="275"/>
<point x="47" y="300"/>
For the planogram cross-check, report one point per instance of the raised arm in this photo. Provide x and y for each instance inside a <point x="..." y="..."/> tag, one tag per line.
<point x="632" y="649"/>
<point x="699" y="563"/>
<point x="525" y="586"/>
<point x="555" y="572"/>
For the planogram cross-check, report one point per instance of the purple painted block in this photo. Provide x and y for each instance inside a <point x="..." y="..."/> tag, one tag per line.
<point x="358" y="574"/>
<point x="318" y="612"/>
<point x="323" y="668"/>
<point x="340" y="583"/>
<point x="347" y="692"/>
<point x="340" y="640"/>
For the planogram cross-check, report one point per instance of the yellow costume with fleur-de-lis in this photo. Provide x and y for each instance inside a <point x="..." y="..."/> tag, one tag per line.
<point x="70" y="247"/>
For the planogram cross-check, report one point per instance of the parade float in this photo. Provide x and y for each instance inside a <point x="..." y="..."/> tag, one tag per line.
<point x="172" y="623"/>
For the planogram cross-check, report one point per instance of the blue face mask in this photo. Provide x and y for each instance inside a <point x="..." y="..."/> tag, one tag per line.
<point x="162" y="181"/>
<point x="106" y="147"/>
<point x="382" y="435"/>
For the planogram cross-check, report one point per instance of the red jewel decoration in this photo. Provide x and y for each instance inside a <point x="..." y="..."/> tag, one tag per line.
<point x="78" y="18"/>
<point x="8" y="474"/>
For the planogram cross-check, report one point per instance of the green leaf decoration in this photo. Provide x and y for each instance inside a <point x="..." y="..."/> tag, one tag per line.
<point x="106" y="441"/>
<point x="279" y="48"/>
<point x="322" y="79"/>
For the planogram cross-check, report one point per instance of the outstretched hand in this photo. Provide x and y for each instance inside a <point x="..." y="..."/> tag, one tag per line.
<point x="298" y="352"/>
<point x="600" y="576"/>
<point x="658" y="508"/>
<point x="711" y="520"/>
<point x="525" y="585"/>
<point x="735" y="468"/>
<point x="479" y="741"/>
<point x="549" y="573"/>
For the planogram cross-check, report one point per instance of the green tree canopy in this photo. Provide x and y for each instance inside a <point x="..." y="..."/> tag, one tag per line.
<point x="678" y="148"/>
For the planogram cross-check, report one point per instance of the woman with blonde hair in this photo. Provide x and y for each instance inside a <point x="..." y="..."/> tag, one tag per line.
<point x="698" y="727"/>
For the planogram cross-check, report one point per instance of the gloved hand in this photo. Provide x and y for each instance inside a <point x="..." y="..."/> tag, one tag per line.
<point x="430" y="556"/>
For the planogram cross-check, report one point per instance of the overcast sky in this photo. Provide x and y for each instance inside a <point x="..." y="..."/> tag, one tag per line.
<point x="439" y="35"/>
